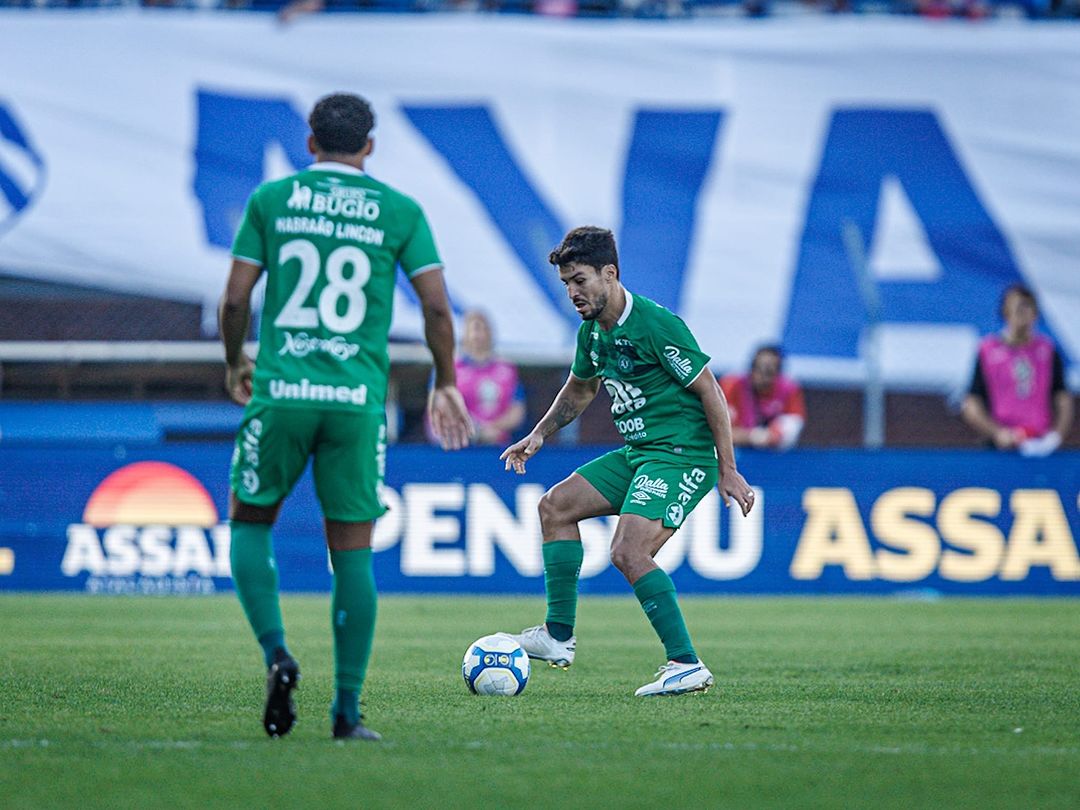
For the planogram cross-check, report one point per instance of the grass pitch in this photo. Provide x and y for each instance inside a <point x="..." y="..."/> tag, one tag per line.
<point x="148" y="702"/>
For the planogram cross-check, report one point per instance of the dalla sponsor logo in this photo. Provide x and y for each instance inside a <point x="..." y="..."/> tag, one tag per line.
<point x="149" y="527"/>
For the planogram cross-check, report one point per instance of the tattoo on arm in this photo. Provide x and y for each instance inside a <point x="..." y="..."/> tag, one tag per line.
<point x="565" y="413"/>
<point x="564" y="410"/>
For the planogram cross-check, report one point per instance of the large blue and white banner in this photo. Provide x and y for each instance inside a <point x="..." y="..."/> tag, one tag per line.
<point x="151" y="520"/>
<point x="748" y="169"/>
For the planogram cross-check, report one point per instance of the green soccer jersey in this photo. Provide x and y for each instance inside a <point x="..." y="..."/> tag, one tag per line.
<point x="646" y="361"/>
<point x="330" y="238"/>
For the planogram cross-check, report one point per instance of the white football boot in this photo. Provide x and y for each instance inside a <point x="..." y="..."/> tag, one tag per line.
<point x="674" y="678"/>
<point x="538" y="643"/>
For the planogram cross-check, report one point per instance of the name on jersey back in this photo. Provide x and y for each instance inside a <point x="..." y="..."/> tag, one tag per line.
<point x="350" y="202"/>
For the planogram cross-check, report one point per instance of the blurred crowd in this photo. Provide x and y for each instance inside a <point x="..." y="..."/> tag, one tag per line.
<point x="290" y="9"/>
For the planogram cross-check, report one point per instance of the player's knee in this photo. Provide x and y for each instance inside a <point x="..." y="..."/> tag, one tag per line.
<point x="553" y="508"/>
<point x="624" y="556"/>
<point x="250" y="513"/>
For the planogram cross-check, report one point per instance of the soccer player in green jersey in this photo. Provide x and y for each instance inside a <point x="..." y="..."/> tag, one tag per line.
<point x="329" y="240"/>
<point x="677" y="432"/>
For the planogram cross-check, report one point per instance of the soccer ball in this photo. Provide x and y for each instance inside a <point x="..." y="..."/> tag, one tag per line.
<point x="495" y="665"/>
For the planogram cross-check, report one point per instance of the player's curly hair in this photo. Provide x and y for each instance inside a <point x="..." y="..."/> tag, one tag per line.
<point x="341" y="123"/>
<point x="586" y="245"/>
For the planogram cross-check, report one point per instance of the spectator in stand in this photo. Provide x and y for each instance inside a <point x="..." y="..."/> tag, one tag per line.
<point x="767" y="408"/>
<point x="1017" y="399"/>
<point x="492" y="392"/>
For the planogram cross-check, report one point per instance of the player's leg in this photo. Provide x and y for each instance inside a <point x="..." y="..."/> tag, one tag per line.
<point x="348" y="470"/>
<point x="254" y="572"/>
<point x="591" y="491"/>
<point x="656" y="505"/>
<point x="270" y="454"/>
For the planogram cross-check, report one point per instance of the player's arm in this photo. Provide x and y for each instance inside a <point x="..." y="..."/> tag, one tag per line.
<point x="714" y="403"/>
<point x="447" y="413"/>
<point x="234" y="318"/>
<point x="573" y="398"/>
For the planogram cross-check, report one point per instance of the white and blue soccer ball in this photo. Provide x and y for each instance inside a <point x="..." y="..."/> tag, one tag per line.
<point x="495" y="665"/>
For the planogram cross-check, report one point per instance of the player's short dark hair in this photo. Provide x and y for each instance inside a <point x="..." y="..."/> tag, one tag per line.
<point x="769" y="348"/>
<point x="341" y="123"/>
<point x="586" y="245"/>
<point x="1023" y="290"/>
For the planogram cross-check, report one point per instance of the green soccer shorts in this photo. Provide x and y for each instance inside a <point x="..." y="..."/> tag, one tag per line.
<point x="349" y="450"/>
<point x="658" y="486"/>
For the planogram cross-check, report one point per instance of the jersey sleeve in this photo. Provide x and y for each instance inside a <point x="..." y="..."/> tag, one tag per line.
<point x="419" y="253"/>
<point x="250" y="242"/>
<point x="676" y="349"/>
<point x="583" y="366"/>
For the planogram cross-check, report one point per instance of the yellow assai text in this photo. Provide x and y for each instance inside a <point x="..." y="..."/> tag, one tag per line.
<point x="914" y="536"/>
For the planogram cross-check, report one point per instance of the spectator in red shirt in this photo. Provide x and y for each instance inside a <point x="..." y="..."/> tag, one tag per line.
<point x="767" y="408"/>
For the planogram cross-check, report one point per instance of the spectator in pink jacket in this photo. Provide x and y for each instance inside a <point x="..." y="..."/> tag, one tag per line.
<point x="1017" y="399"/>
<point x="491" y="388"/>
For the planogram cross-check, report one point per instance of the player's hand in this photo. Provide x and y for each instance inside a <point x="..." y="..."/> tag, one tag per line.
<point x="518" y="453"/>
<point x="238" y="380"/>
<point x="450" y="421"/>
<point x="733" y="485"/>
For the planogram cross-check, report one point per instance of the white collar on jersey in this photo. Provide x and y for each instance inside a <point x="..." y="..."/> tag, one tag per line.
<point x="333" y="166"/>
<point x="626" y="310"/>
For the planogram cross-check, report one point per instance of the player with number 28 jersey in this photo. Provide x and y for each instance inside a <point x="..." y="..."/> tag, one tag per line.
<point x="330" y="238"/>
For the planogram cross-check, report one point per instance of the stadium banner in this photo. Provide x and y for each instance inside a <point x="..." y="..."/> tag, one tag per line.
<point x="152" y="520"/>
<point x="748" y="170"/>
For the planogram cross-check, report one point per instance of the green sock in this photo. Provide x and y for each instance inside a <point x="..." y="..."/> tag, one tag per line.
<point x="255" y="578"/>
<point x="352" y="615"/>
<point x="347" y="704"/>
<point x="562" y="565"/>
<point x="656" y="592"/>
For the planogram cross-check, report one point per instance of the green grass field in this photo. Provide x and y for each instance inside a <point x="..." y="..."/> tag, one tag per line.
<point x="147" y="702"/>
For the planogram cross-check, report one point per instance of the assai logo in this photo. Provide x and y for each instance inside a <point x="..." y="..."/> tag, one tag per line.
<point x="22" y="169"/>
<point x="149" y="527"/>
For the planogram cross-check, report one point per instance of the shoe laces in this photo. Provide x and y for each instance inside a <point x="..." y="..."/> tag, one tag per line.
<point x="668" y="667"/>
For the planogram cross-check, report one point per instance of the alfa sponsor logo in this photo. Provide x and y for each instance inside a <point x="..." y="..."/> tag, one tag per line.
<point x="688" y="487"/>
<point x="246" y="456"/>
<point x="148" y="527"/>
<point x="302" y="344"/>
<point x="679" y="364"/>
